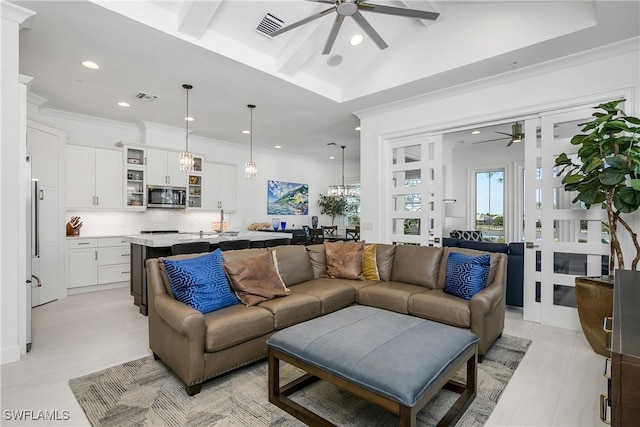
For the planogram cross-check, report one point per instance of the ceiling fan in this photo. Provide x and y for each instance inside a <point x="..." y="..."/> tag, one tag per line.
<point x="352" y="8"/>
<point x="516" y="134"/>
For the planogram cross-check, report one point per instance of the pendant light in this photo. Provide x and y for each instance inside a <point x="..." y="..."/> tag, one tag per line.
<point x="340" y="189"/>
<point x="250" y="168"/>
<point x="186" y="157"/>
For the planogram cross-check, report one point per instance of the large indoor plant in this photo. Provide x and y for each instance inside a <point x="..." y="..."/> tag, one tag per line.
<point x="332" y="206"/>
<point x="607" y="174"/>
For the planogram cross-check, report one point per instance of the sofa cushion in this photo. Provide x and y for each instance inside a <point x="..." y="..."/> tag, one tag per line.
<point x="234" y="325"/>
<point x="441" y="307"/>
<point x="344" y="261"/>
<point x="318" y="260"/>
<point x="255" y="279"/>
<point x="200" y="282"/>
<point x="238" y="254"/>
<point x="295" y="308"/>
<point x="293" y="264"/>
<point x="416" y="265"/>
<point x="333" y="293"/>
<point x="493" y="266"/>
<point x="384" y="260"/>
<point x="466" y="275"/>
<point x="391" y="296"/>
<point x="370" y="263"/>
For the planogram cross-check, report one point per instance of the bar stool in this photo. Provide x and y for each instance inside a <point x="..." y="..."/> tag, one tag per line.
<point x="276" y="242"/>
<point x="229" y="245"/>
<point x="190" y="248"/>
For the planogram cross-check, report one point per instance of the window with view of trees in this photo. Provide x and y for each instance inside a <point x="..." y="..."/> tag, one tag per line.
<point x="490" y="204"/>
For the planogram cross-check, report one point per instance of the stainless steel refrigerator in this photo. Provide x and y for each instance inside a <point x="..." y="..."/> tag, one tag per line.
<point x="33" y="244"/>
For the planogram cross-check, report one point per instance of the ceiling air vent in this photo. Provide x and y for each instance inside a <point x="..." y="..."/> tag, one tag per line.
<point x="269" y="25"/>
<point x="145" y="97"/>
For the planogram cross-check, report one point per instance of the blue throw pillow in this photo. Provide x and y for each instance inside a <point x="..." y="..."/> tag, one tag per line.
<point x="201" y="282"/>
<point x="466" y="275"/>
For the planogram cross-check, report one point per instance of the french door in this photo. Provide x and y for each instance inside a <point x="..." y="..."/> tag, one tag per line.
<point x="415" y="185"/>
<point x="563" y="239"/>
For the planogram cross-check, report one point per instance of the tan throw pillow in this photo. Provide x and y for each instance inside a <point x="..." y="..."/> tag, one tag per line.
<point x="369" y="263"/>
<point x="255" y="279"/>
<point x="344" y="261"/>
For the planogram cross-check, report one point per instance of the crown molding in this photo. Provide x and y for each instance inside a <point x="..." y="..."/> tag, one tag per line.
<point x="14" y="13"/>
<point x="66" y="115"/>
<point x="592" y="55"/>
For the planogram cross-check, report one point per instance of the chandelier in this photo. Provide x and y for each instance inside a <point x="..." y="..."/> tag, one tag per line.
<point x="250" y="168"/>
<point x="186" y="157"/>
<point x="341" y="190"/>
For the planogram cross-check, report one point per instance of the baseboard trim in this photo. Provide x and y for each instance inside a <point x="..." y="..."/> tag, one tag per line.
<point x="95" y="288"/>
<point x="10" y="354"/>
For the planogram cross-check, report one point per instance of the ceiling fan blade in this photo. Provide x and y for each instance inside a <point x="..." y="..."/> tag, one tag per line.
<point x="367" y="28"/>
<point x="323" y="1"/>
<point x="398" y="11"/>
<point x="504" y="133"/>
<point x="333" y="34"/>
<point x="510" y="142"/>
<point x="303" y="21"/>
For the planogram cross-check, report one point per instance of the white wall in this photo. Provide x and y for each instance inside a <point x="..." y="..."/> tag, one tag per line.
<point x="12" y="151"/>
<point x="553" y="85"/>
<point x="251" y="194"/>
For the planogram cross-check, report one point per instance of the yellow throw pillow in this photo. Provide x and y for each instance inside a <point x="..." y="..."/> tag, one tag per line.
<point x="369" y="263"/>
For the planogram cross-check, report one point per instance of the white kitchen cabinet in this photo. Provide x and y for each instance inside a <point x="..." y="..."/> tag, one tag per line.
<point x="83" y="262"/>
<point x="98" y="261"/>
<point x="163" y="168"/>
<point x="219" y="187"/>
<point x="94" y="178"/>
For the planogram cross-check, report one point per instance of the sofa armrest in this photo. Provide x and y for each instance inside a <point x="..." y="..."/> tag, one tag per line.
<point x="185" y="320"/>
<point x="486" y="300"/>
<point x="488" y="307"/>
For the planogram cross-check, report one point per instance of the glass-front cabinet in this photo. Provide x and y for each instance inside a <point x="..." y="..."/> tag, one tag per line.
<point x="135" y="177"/>
<point x="194" y="184"/>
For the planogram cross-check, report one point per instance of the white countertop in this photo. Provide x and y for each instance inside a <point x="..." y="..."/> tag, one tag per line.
<point x="166" y="240"/>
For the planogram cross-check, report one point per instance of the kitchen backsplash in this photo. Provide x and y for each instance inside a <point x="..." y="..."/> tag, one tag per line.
<point x="97" y="223"/>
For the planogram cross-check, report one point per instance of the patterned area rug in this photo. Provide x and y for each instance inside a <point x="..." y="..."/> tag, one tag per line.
<point x="145" y="393"/>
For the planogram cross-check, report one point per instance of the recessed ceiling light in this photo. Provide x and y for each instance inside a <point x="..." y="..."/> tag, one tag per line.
<point x="189" y="118"/>
<point x="246" y="132"/>
<point x="356" y="39"/>
<point x="332" y="158"/>
<point x="123" y="104"/>
<point x="277" y="146"/>
<point x="90" y="65"/>
<point x="358" y="128"/>
<point x="475" y="132"/>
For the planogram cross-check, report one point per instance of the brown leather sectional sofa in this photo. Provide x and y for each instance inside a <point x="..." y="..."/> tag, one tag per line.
<point x="199" y="346"/>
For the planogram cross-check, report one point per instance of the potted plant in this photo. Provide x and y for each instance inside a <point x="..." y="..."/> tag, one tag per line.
<point x="608" y="175"/>
<point x="332" y="206"/>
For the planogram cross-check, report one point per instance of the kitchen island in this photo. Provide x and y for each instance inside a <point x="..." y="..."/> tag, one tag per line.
<point x="145" y="246"/>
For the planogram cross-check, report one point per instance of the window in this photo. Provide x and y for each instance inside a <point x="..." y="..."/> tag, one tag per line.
<point x="352" y="206"/>
<point x="490" y="204"/>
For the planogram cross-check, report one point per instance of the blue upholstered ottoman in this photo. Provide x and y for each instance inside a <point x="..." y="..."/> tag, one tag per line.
<point x="391" y="359"/>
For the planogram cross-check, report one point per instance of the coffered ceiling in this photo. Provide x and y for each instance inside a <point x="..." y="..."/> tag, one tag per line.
<point x="304" y="99"/>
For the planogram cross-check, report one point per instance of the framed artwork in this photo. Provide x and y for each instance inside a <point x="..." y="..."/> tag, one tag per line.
<point x="287" y="198"/>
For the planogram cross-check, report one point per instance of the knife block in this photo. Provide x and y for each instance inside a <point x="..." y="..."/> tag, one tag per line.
<point x="72" y="231"/>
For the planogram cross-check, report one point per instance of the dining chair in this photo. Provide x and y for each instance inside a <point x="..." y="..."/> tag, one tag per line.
<point x="330" y="230"/>
<point x="353" y="233"/>
<point x="315" y="235"/>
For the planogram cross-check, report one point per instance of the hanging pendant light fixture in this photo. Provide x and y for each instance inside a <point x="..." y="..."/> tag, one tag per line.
<point x="186" y="157"/>
<point x="250" y="168"/>
<point x="340" y="189"/>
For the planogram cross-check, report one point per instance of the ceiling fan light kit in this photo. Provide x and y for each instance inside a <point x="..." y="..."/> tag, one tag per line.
<point x="352" y="8"/>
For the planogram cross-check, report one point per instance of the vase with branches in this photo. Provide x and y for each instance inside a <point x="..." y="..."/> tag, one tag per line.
<point x="608" y="173"/>
<point x="332" y="206"/>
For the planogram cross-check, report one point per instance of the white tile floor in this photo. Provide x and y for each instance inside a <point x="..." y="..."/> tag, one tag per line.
<point x="557" y="384"/>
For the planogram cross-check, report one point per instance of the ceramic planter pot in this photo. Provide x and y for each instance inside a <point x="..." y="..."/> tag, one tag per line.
<point x="594" y="296"/>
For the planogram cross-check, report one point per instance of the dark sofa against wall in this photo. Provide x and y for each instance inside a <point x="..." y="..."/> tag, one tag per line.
<point x="515" y="263"/>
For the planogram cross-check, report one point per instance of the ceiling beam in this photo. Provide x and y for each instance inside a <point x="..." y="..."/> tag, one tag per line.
<point x="194" y="16"/>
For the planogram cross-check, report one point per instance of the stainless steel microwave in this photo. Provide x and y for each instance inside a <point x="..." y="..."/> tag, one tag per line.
<point x="166" y="197"/>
